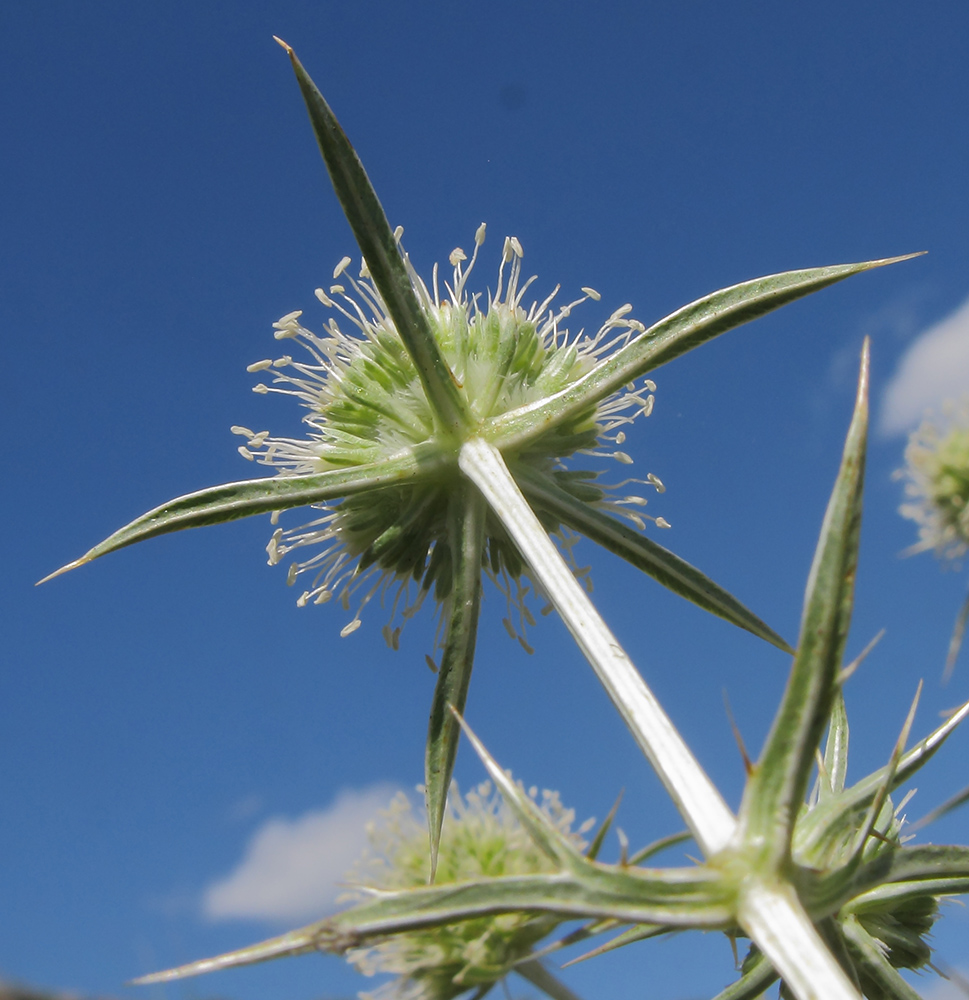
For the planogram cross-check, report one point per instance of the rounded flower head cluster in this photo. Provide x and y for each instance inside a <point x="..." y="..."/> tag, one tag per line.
<point x="481" y="838"/>
<point x="366" y="404"/>
<point x="937" y="482"/>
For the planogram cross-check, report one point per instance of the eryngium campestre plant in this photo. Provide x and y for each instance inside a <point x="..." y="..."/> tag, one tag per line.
<point x="833" y="899"/>
<point x="434" y="397"/>
<point x="484" y="460"/>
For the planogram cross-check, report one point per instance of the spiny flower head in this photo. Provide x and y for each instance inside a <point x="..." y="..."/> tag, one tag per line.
<point x="366" y="403"/>
<point x="901" y="924"/>
<point x="849" y="845"/>
<point x="937" y="481"/>
<point x="481" y="838"/>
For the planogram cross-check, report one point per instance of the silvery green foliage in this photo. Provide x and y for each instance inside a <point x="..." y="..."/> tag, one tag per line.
<point x="444" y="423"/>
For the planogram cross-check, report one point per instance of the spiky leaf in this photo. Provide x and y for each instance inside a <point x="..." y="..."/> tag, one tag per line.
<point x="466" y="526"/>
<point x="662" y="565"/>
<point x="376" y="240"/>
<point x="232" y="501"/>
<point x="681" y="331"/>
<point x="776" y="789"/>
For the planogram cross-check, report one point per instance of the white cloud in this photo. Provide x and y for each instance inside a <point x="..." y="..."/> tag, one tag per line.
<point x="291" y="868"/>
<point x="935" y="366"/>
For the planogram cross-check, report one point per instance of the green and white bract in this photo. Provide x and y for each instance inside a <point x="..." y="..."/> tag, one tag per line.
<point x="366" y="404"/>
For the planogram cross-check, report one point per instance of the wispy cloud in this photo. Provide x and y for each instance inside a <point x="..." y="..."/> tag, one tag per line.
<point x="291" y="867"/>
<point x="934" y="367"/>
<point x="245" y="808"/>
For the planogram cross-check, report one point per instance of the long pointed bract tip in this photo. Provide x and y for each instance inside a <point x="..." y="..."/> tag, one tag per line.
<point x="64" y="569"/>
<point x="897" y="260"/>
<point x="865" y="367"/>
<point x="289" y="52"/>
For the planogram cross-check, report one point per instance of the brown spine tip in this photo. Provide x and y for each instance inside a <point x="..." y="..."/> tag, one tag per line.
<point x="64" y="569"/>
<point x="288" y="48"/>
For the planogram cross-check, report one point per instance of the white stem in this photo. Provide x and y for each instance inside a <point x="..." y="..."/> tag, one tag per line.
<point x="774" y="918"/>
<point x="699" y="802"/>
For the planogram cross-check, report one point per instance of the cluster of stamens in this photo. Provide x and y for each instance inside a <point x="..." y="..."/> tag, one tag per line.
<point x="366" y="403"/>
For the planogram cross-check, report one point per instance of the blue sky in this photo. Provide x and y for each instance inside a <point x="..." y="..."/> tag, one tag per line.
<point x="164" y="711"/>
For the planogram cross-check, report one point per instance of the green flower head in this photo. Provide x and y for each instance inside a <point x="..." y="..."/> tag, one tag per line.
<point x="936" y="478"/>
<point x="366" y="404"/>
<point x="482" y="838"/>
